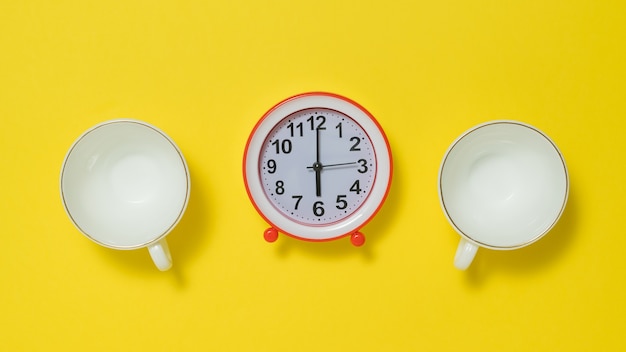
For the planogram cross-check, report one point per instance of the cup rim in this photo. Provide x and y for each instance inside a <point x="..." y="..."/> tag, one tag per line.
<point x="486" y="124"/>
<point x="83" y="135"/>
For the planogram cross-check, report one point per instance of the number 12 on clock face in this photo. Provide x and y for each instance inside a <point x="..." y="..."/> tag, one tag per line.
<point x="317" y="167"/>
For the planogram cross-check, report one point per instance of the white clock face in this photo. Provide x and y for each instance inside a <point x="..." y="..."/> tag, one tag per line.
<point x="317" y="166"/>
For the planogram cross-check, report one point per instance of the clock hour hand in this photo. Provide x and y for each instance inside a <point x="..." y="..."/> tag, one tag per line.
<point x="323" y="166"/>
<point x="318" y="179"/>
<point x="339" y="164"/>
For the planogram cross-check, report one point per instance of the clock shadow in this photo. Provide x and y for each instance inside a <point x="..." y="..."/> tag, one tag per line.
<point x="333" y="249"/>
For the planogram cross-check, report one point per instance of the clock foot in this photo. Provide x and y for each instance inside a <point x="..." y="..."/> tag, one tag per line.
<point x="357" y="239"/>
<point x="270" y="234"/>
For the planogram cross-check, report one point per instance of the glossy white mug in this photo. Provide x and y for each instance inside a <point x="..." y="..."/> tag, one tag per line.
<point x="502" y="185"/>
<point x="125" y="185"/>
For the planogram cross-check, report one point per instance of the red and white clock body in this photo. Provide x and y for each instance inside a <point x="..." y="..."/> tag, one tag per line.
<point x="317" y="166"/>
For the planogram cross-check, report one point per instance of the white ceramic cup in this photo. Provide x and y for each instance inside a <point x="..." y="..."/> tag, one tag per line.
<point x="502" y="185"/>
<point x="125" y="185"/>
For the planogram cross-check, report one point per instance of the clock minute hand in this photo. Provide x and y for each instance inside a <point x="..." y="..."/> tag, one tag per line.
<point x="317" y="146"/>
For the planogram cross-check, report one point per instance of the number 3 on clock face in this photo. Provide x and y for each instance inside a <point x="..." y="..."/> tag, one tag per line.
<point x="317" y="167"/>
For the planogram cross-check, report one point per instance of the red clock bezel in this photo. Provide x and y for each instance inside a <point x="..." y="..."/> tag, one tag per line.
<point x="357" y="238"/>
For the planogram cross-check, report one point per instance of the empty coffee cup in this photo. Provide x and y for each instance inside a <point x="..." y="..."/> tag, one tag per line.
<point x="125" y="185"/>
<point x="502" y="185"/>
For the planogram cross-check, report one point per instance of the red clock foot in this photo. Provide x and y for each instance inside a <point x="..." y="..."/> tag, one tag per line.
<point x="270" y="235"/>
<point x="357" y="239"/>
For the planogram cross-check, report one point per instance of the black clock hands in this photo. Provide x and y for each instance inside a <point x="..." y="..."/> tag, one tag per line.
<point x="325" y="166"/>
<point x="318" y="179"/>
<point x="340" y="164"/>
<point x="317" y="146"/>
<point x="317" y="165"/>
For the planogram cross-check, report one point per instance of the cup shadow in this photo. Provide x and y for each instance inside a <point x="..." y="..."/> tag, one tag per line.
<point x="535" y="257"/>
<point x="184" y="240"/>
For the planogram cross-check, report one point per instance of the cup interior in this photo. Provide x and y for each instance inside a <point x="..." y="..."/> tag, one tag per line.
<point x="124" y="184"/>
<point x="503" y="184"/>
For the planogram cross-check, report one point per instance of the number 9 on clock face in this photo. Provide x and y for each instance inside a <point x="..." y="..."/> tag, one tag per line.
<point x="317" y="166"/>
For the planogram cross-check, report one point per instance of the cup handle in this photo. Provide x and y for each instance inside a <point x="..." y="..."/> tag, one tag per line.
<point x="160" y="253"/>
<point x="465" y="253"/>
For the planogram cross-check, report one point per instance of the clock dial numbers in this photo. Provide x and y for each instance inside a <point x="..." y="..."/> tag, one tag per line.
<point x="341" y="202"/>
<point x="317" y="123"/>
<point x="298" y="199"/>
<point x="283" y="146"/>
<point x="355" y="146"/>
<point x="280" y="187"/>
<point x="271" y="166"/>
<point x="356" y="188"/>
<point x="363" y="169"/>
<point x="295" y="130"/>
<point x="318" y="209"/>
<point x="317" y="166"/>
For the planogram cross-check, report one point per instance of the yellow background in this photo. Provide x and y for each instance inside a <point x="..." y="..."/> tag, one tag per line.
<point x="205" y="72"/>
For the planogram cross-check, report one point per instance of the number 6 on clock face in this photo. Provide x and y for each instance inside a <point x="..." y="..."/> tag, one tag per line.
<point x="317" y="166"/>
